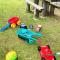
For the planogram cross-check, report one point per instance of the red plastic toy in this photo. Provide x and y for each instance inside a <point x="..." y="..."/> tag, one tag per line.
<point x="14" y="21"/>
<point x="46" y="53"/>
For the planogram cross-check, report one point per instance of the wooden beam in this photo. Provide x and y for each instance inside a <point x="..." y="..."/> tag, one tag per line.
<point x="35" y="5"/>
<point x="52" y="8"/>
<point x="28" y="8"/>
<point x="36" y="11"/>
<point x="57" y="4"/>
<point x="45" y="5"/>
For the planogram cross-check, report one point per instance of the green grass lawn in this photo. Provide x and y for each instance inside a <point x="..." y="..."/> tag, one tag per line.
<point x="10" y="41"/>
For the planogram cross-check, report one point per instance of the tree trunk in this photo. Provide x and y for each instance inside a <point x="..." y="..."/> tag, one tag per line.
<point x="36" y="11"/>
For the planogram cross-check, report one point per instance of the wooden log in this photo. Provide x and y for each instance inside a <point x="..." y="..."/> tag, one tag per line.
<point x="45" y="5"/>
<point x="36" y="11"/>
<point x="28" y="7"/>
<point x="52" y="8"/>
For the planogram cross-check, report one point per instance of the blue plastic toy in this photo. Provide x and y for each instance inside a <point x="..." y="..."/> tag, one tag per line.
<point x="5" y="27"/>
<point x="27" y="35"/>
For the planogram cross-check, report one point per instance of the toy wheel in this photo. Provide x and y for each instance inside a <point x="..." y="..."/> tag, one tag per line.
<point x="18" y="23"/>
<point x="30" y="41"/>
<point x="42" y="58"/>
<point x="17" y="58"/>
<point x="54" y="58"/>
<point x="18" y="36"/>
<point x="39" y="48"/>
<point x="13" y="25"/>
<point x="48" y="46"/>
<point x="25" y="27"/>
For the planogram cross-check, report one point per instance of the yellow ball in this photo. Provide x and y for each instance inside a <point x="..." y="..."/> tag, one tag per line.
<point x="13" y="25"/>
<point x="18" y="23"/>
<point x="11" y="55"/>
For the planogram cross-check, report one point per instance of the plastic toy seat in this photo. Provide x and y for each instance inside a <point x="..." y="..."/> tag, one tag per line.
<point x="23" y="26"/>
